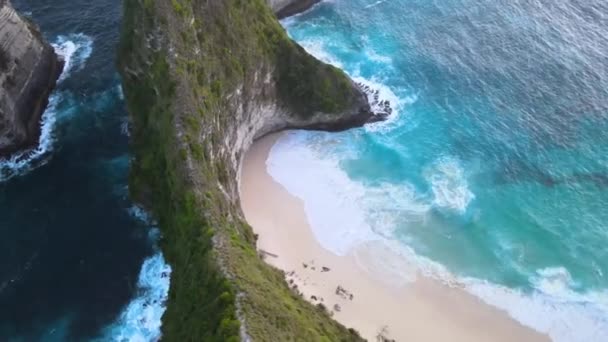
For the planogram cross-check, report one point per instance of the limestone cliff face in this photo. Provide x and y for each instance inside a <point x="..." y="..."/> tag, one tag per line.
<point x="29" y="69"/>
<point x="202" y="80"/>
<point x="286" y="8"/>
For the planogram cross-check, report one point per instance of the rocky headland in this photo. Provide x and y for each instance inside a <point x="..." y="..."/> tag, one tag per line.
<point x="203" y="79"/>
<point x="29" y="69"/>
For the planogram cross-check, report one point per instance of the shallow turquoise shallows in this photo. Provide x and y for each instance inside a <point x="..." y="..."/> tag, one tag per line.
<point x="493" y="169"/>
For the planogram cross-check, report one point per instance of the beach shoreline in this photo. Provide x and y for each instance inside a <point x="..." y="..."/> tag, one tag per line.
<point x="359" y="293"/>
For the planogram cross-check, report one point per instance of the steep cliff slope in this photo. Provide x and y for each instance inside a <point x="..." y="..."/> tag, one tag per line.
<point x="29" y="69"/>
<point x="203" y="79"/>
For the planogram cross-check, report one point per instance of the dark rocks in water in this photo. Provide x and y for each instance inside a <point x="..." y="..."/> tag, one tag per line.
<point x="381" y="109"/>
<point x="325" y="269"/>
<point x="287" y="8"/>
<point x="377" y="117"/>
<point x="29" y="69"/>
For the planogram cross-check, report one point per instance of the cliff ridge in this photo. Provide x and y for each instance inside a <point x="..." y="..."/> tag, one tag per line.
<point x="202" y="80"/>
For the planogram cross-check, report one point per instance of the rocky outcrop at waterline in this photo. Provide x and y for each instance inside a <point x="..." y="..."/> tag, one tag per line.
<point x="287" y="8"/>
<point x="202" y="80"/>
<point x="29" y="69"/>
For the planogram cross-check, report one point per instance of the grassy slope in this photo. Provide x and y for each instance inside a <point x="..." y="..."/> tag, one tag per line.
<point x="178" y="105"/>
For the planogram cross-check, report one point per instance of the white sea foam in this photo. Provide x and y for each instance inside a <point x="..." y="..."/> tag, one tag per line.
<point x="125" y="127"/>
<point x="385" y="93"/>
<point x="141" y="214"/>
<point x="75" y="54"/>
<point x="337" y="221"/>
<point x="141" y="319"/>
<point x="120" y="91"/>
<point x="372" y="55"/>
<point x="379" y="2"/>
<point x="319" y="49"/>
<point x="347" y="215"/>
<point x="449" y="185"/>
<point x="553" y="308"/>
<point x="23" y="162"/>
<point x="343" y="212"/>
<point x="75" y="49"/>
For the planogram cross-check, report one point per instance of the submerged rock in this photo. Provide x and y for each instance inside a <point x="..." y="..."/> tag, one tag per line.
<point x="29" y="69"/>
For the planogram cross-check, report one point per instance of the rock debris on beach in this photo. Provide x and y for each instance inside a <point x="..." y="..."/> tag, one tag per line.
<point x="342" y="292"/>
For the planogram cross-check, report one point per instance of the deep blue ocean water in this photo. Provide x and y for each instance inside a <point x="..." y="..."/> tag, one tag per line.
<point x="77" y="259"/>
<point x="493" y="171"/>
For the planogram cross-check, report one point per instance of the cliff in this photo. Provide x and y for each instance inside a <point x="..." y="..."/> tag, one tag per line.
<point x="202" y="80"/>
<point x="29" y="69"/>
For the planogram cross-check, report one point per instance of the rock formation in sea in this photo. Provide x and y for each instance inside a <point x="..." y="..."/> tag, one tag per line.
<point x="202" y="80"/>
<point x="29" y="69"/>
<point x="287" y="8"/>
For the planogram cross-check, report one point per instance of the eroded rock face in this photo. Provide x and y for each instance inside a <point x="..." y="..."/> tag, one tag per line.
<point x="202" y="80"/>
<point x="29" y="69"/>
<point x="286" y="8"/>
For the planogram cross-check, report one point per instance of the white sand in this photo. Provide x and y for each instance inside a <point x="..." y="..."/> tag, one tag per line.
<point x="420" y="310"/>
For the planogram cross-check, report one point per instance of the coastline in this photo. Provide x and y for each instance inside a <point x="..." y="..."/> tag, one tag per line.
<point x="367" y="301"/>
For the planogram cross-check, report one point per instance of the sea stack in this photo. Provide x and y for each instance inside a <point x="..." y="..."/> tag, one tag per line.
<point x="29" y="69"/>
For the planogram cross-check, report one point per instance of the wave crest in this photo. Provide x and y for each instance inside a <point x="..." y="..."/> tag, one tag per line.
<point x="554" y="307"/>
<point x="75" y="49"/>
<point x="449" y="185"/>
<point x="141" y="319"/>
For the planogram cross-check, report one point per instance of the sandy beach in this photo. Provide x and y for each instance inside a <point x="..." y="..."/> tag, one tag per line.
<point x="360" y="295"/>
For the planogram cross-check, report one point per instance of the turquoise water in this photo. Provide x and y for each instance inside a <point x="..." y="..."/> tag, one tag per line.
<point x="493" y="171"/>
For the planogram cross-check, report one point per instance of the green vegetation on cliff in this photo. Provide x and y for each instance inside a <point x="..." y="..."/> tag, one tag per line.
<point x="188" y="67"/>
